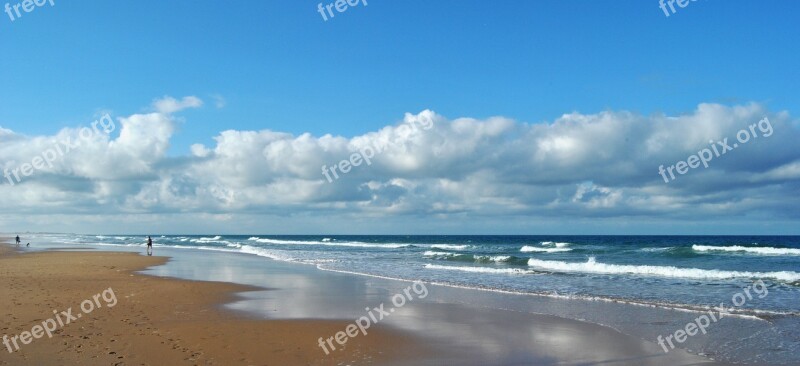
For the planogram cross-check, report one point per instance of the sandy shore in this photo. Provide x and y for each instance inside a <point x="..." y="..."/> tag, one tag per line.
<point x="155" y="321"/>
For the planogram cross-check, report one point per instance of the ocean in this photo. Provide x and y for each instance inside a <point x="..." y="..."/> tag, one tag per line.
<point x="682" y="274"/>
<point x="673" y="271"/>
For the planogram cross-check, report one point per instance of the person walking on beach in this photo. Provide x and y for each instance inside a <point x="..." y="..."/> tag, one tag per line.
<point x="149" y="245"/>
<point x="18" y="241"/>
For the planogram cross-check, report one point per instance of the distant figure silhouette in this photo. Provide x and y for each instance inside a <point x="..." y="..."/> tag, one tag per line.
<point x="149" y="245"/>
<point x="27" y="245"/>
<point x="18" y="240"/>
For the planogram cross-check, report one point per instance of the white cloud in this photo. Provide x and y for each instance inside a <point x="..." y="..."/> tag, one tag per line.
<point x="578" y="166"/>
<point x="200" y="150"/>
<point x="167" y="104"/>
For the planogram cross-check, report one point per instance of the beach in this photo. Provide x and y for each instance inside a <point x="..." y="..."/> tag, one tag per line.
<point x="158" y="320"/>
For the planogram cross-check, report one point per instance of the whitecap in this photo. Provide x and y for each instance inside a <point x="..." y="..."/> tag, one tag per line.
<point x="480" y="269"/>
<point x="450" y="247"/>
<point x="751" y="250"/>
<point x="592" y="266"/>
<point x="529" y="248"/>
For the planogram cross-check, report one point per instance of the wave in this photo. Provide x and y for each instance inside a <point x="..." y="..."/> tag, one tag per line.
<point x="754" y="250"/>
<point x="367" y="245"/>
<point x="206" y="240"/>
<point x="450" y="247"/>
<point x="528" y="248"/>
<point x="261" y="252"/>
<point x="475" y="258"/>
<point x="480" y="269"/>
<point x="328" y="243"/>
<point x="655" y="250"/>
<point x="557" y="245"/>
<point x="433" y="253"/>
<point x="277" y="241"/>
<point x="493" y="258"/>
<point x="757" y="314"/>
<point x="463" y="257"/>
<point x="592" y="266"/>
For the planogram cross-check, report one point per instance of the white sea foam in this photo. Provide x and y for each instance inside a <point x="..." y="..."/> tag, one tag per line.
<point x="493" y="258"/>
<point x="433" y="253"/>
<point x="450" y="247"/>
<point x="326" y="243"/>
<point x="478" y="258"/>
<point x="592" y="266"/>
<point x="528" y="248"/>
<point x="752" y="250"/>
<point x="206" y="240"/>
<point x="367" y="245"/>
<point x="656" y="249"/>
<point x="278" y="241"/>
<point x="480" y="269"/>
<point x="261" y="252"/>
<point x="318" y="261"/>
<point x="557" y="245"/>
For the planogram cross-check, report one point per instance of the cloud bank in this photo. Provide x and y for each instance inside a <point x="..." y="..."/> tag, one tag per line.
<point x="580" y="166"/>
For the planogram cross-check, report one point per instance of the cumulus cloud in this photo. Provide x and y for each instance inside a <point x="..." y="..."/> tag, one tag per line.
<point x="167" y="104"/>
<point x="578" y="166"/>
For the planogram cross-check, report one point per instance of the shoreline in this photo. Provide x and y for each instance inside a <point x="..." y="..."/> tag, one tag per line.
<point x="391" y="344"/>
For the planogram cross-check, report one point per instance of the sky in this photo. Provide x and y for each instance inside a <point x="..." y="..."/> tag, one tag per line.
<point x="515" y="117"/>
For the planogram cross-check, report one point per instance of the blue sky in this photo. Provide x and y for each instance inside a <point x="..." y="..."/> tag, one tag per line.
<point x="277" y="65"/>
